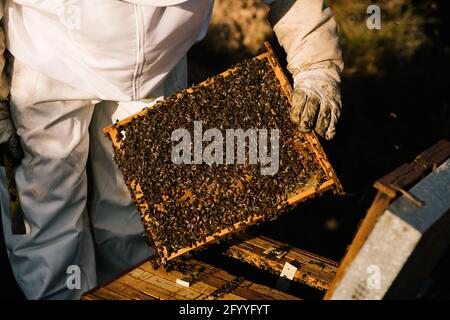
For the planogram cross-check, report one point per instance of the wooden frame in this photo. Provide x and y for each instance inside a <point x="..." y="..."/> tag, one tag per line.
<point x="271" y="255"/>
<point x="310" y="143"/>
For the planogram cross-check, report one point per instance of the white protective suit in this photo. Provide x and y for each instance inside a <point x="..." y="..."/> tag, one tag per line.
<point x="80" y="65"/>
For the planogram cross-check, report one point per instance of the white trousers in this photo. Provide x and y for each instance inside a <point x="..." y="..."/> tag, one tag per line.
<point x="74" y="222"/>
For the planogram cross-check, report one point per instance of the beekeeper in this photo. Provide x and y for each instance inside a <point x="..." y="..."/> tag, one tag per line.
<point x="75" y="67"/>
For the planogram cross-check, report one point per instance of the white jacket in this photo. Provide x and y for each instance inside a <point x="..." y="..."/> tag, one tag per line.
<point x="116" y="50"/>
<point x="122" y="50"/>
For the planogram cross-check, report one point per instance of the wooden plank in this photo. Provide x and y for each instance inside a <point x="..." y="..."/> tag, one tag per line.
<point x="89" y="296"/>
<point x="219" y="278"/>
<point x="216" y="272"/>
<point x="245" y="284"/>
<point x="179" y="291"/>
<point x="275" y="294"/>
<point x="197" y="285"/>
<point x="106" y="294"/>
<point x="250" y="294"/>
<point x="403" y="177"/>
<point x="211" y="283"/>
<point x="406" y="175"/>
<point x="315" y="261"/>
<point x="146" y="288"/>
<point x="313" y="270"/>
<point x="259" y="242"/>
<point x="129" y="292"/>
<point x="212" y="280"/>
<point x="325" y="163"/>
<point x="172" y="289"/>
<point x="304" y="275"/>
<point x="231" y="296"/>
<point x="434" y="156"/>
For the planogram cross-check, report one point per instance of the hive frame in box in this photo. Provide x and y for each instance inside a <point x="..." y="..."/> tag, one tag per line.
<point x="331" y="182"/>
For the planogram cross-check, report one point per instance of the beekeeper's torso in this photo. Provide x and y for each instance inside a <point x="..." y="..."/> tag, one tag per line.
<point x="116" y="50"/>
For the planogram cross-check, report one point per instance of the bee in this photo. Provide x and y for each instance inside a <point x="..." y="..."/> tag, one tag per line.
<point x="220" y="195"/>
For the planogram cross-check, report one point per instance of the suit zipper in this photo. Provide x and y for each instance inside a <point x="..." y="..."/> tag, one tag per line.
<point x="140" y="57"/>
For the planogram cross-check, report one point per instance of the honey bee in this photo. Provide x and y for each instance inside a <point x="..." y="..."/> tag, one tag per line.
<point x="220" y="196"/>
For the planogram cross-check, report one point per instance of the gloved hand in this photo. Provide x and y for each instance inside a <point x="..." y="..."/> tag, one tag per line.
<point x="308" y="33"/>
<point x="316" y="103"/>
<point x="8" y="135"/>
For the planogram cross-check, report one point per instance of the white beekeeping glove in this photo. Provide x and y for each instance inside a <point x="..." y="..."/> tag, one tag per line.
<point x="307" y="31"/>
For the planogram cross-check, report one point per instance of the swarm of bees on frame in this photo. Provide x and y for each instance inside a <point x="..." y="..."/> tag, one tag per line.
<point x="185" y="204"/>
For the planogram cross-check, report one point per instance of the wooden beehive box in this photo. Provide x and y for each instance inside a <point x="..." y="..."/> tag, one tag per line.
<point x="202" y="281"/>
<point x="304" y="143"/>
<point x="206" y="282"/>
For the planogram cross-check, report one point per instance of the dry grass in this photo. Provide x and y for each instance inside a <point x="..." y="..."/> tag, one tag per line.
<point x="367" y="51"/>
<point x="239" y="28"/>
